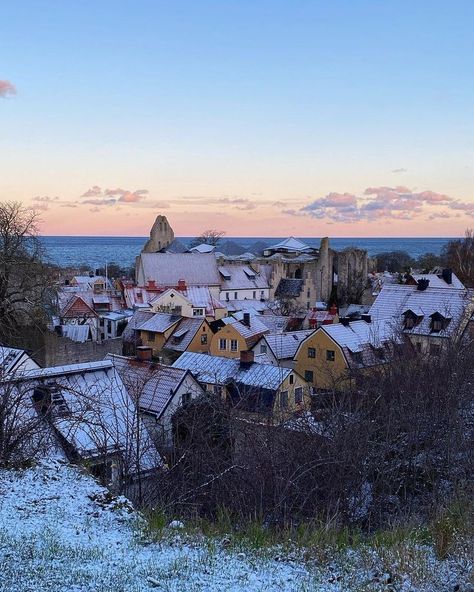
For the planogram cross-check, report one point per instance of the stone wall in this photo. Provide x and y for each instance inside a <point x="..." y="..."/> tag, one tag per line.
<point x="50" y="349"/>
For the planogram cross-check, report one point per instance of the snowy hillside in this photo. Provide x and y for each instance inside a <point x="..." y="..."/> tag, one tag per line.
<point x="60" y="531"/>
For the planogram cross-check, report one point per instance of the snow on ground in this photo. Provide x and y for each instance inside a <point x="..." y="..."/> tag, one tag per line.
<point x="61" y="531"/>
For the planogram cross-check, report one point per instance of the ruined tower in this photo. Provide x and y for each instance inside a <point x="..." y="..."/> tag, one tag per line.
<point x="161" y="236"/>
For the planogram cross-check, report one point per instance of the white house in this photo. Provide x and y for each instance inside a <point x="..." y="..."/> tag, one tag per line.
<point x="93" y="417"/>
<point x="242" y="282"/>
<point x="158" y="391"/>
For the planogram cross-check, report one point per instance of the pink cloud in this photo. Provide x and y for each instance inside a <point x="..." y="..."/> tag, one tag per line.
<point x="380" y="204"/>
<point x="7" y="89"/>
<point x="115" y="195"/>
<point x="126" y="196"/>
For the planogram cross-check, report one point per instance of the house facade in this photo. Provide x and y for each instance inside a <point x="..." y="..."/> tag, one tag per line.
<point x="430" y="317"/>
<point x="236" y="336"/>
<point x="256" y="390"/>
<point x="328" y="356"/>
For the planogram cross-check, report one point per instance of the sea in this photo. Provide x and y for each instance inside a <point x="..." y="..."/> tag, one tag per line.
<point x="96" y="251"/>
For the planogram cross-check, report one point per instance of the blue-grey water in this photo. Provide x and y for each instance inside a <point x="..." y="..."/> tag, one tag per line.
<point x="95" y="251"/>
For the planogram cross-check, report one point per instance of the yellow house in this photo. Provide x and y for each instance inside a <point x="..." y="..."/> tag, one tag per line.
<point x="155" y="331"/>
<point x="251" y="388"/>
<point x="329" y="354"/>
<point x="237" y="336"/>
<point x="192" y="335"/>
<point x="190" y="302"/>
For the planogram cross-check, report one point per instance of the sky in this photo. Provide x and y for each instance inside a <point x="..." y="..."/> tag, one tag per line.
<point x="255" y="117"/>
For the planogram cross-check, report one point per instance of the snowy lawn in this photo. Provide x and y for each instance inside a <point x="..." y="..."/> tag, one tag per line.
<point x="60" y="531"/>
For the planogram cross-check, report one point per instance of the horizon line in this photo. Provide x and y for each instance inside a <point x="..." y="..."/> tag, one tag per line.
<point x="248" y="236"/>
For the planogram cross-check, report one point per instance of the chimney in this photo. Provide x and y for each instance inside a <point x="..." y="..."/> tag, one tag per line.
<point x="246" y="319"/>
<point x="144" y="353"/>
<point x="447" y="275"/>
<point x="423" y="283"/>
<point x="246" y="358"/>
<point x="366" y="317"/>
<point x="181" y="285"/>
<point x="151" y="285"/>
<point x="345" y="321"/>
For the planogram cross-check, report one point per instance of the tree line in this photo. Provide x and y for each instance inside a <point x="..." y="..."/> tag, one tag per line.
<point x="458" y="254"/>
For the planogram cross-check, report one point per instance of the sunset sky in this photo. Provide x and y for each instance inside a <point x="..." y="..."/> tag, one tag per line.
<point x="256" y="117"/>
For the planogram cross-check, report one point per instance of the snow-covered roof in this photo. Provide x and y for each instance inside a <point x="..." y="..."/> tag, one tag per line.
<point x="285" y="345"/>
<point x="138" y="318"/>
<point x="153" y="385"/>
<point x="290" y="244"/>
<point x="198" y="269"/>
<point x="93" y="411"/>
<point x="249" y="333"/>
<point x="217" y="370"/>
<point x="15" y="360"/>
<point x="358" y="334"/>
<point x="242" y="277"/>
<point x="202" y="248"/>
<point x="159" y="322"/>
<point x="437" y="280"/>
<point x="243" y="257"/>
<point x="254" y="306"/>
<point x="196" y="296"/>
<point x="137" y="297"/>
<point x="451" y="302"/>
<point x="180" y="339"/>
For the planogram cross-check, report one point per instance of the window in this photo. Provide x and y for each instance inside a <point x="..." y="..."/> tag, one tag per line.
<point x="49" y="399"/>
<point x="435" y="349"/>
<point x="262" y="293"/>
<point x="330" y="355"/>
<point x="263" y="348"/>
<point x="411" y="319"/>
<point x="217" y="389"/>
<point x="284" y="399"/>
<point x="292" y="378"/>
<point x="198" y="312"/>
<point x="298" y="394"/>
<point x="222" y="344"/>
<point x="418" y="346"/>
<point x="204" y="339"/>
<point x="151" y="336"/>
<point x="254" y="294"/>
<point x="308" y="375"/>
<point x="311" y="352"/>
<point x="438" y="322"/>
<point x="185" y="399"/>
<point x="235" y="296"/>
<point x="227" y="297"/>
<point x="308" y="293"/>
<point x="233" y="345"/>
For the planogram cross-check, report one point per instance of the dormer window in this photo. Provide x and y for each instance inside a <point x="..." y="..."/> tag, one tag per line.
<point x="411" y="319"/>
<point x="438" y="322"/>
